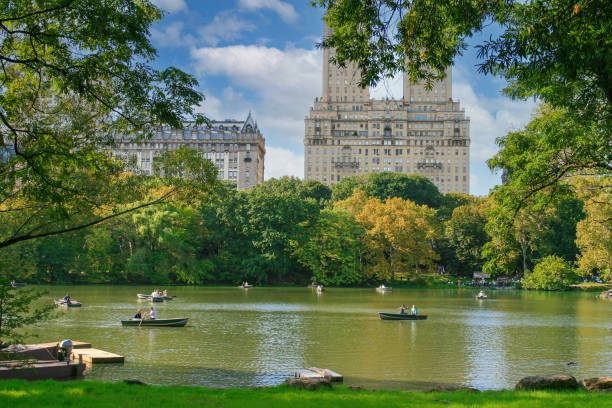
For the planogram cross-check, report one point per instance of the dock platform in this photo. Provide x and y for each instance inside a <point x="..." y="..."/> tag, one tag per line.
<point x="319" y="373"/>
<point x="94" y="356"/>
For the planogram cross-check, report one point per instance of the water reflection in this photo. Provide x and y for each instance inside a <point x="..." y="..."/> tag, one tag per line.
<point x="255" y="337"/>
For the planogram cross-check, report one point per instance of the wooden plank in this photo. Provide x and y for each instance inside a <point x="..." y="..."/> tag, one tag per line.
<point x="307" y="374"/>
<point x="327" y="373"/>
<point x="95" y="356"/>
<point x="75" y="345"/>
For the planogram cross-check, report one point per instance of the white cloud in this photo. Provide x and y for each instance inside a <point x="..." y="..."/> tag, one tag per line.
<point x="283" y="162"/>
<point x="170" y="36"/>
<point x="284" y="83"/>
<point x="224" y="27"/>
<point x="285" y="10"/>
<point x="170" y="5"/>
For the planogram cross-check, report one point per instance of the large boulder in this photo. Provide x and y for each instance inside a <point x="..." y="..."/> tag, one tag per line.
<point x="308" y="383"/>
<point x="601" y="384"/>
<point x="547" y="382"/>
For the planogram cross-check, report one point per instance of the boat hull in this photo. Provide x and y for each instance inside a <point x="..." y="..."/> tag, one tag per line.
<point x="73" y="303"/>
<point x="177" y="322"/>
<point x="398" y="316"/>
<point x="155" y="299"/>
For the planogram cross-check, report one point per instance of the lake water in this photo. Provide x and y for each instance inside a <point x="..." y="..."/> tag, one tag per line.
<point x="259" y="336"/>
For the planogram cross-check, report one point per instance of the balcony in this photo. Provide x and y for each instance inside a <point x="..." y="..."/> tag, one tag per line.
<point x="425" y="165"/>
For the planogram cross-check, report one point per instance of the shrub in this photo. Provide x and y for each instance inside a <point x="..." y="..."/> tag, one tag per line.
<point x="552" y="273"/>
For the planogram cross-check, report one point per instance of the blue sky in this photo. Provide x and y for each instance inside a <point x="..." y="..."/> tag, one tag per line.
<point x="260" y="56"/>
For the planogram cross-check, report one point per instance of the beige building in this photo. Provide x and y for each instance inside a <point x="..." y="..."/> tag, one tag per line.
<point x="236" y="148"/>
<point x="347" y="133"/>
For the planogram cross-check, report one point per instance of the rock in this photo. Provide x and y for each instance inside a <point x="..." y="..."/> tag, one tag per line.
<point x="600" y="384"/>
<point x="308" y="383"/>
<point x="547" y="382"/>
<point x="452" y="388"/>
<point x="134" y="382"/>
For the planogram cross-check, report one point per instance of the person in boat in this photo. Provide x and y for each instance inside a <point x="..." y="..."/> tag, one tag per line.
<point x="155" y="293"/>
<point x="402" y="309"/>
<point x="165" y="292"/>
<point x="481" y="294"/>
<point x="67" y="298"/>
<point x="245" y="284"/>
<point x="138" y="314"/>
<point x="414" y="310"/>
<point x="152" y="313"/>
<point x="13" y="283"/>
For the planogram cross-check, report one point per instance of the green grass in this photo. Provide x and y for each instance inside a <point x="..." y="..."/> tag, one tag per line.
<point x="92" y="394"/>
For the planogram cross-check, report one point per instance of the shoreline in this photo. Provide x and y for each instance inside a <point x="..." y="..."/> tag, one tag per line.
<point x="589" y="287"/>
<point x="95" y="394"/>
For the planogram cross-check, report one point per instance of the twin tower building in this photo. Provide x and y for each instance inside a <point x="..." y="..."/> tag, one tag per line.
<point x="347" y="133"/>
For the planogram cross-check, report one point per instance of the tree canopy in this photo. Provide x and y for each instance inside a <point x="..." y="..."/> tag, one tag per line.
<point x="76" y="79"/>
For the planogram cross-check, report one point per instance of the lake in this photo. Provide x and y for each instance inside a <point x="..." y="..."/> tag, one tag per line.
<point x="259" y="336"/>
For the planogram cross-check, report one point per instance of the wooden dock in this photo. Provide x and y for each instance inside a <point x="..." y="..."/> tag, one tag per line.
<point x="75" y="345"/>
<point x="94" y="356"/>
<point x="316" y="373"/>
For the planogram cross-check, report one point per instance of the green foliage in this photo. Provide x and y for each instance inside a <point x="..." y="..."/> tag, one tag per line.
<point x="71" y="86"/>
<point x="466" y="234"/>
<point x="334" y="249"/>
<point x="16" y="311"/>
<point x="552" y="273"/>
<point x="594" y="232"/>
<point x="385" y="185"/>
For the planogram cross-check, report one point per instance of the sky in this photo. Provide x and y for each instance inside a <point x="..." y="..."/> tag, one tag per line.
<point x="260" y="56"/>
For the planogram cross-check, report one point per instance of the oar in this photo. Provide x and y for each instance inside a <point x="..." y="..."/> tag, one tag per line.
<point x="140" y="322"/>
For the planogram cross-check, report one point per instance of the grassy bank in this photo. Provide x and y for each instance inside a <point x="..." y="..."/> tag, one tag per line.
<point x="91" y="394"/>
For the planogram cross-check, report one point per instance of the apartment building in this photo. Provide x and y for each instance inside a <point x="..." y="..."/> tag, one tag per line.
<point x="347" y="133"/>
<point x="237" y="149"/>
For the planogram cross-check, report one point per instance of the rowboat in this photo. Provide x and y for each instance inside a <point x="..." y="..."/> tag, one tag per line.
<point x="62" y="302"/>
<point x="402" y="316"/>
<point x="245" y="286"/>
<point x="482" y="297"/>
<point x="383" y="288"/>
<point x="155" y="299"/>
<point x="174" y="322"/>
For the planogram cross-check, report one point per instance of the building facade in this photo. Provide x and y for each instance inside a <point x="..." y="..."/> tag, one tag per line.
<point x="236" y="148"/>
<point x="347" y="133"/>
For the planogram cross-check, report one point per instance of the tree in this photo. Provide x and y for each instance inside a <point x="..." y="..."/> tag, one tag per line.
<point x="466" y="234"/>
<point x="76" y="78"/>
<point x="399" y="232"/>
<point x="594" y="233"/>
<point x="553" y="273"/>
<point x="334" y="249"/>
<point x="16" y="311"/>
<point x="385" y="185"/>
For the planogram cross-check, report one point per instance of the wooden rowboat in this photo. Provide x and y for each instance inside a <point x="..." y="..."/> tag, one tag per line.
<point x="402" y="316"/>
<point x="62" y="302"/>
<point x="149" y="297"/>
<point x="175" y="322"/>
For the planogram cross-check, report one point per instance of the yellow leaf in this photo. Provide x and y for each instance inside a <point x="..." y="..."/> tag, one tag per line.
<point x="576" y="9"/>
